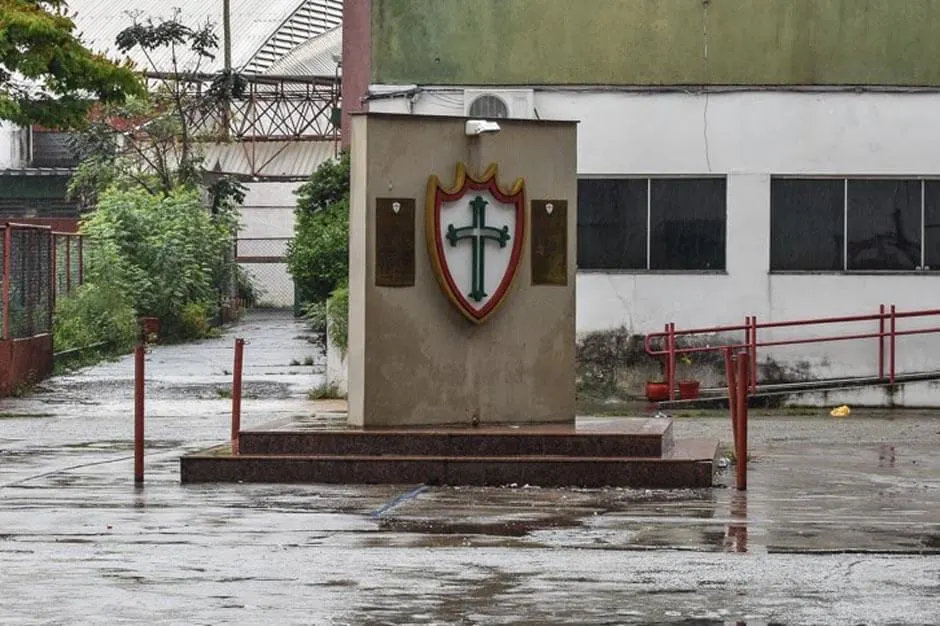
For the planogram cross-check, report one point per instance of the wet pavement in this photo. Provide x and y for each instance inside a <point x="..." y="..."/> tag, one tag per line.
<point x="841" y="522"/>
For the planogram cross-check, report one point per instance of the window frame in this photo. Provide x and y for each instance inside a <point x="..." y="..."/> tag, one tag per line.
<point x="846" y="179"/>
<point x="649" y="178"/>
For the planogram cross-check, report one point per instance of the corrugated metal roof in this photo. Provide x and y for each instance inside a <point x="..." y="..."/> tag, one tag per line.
<point x="254" y="23"/>
<point x="278" y="159"/>
<point x="313" y="57"/>
<point x="311" y="19"/>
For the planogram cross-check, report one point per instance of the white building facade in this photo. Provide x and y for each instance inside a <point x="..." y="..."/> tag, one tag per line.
<point x="703" y="207"/>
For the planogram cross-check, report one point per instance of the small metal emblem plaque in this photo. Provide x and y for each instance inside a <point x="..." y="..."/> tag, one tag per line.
<point x="395" y="242"/>
<point x="549" y="242"/>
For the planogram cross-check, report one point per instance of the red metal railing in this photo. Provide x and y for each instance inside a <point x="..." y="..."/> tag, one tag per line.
<point x="888" y="333"/>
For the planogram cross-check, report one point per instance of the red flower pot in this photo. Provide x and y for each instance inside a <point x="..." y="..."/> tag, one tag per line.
<point x="688" y="389"/>
<point x="657" y="391"/>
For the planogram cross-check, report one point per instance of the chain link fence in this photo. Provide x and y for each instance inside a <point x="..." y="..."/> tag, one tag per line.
<point x="30" y="275"/>
<point x="69" y="262"/>
<point x="38" y="266"/>
<point x="264" y="259"/>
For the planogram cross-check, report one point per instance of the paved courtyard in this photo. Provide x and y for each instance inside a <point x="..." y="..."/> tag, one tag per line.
<point x="841" y="523"/>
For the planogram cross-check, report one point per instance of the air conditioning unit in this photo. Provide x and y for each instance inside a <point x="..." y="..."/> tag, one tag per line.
<point x="499" y="103"/>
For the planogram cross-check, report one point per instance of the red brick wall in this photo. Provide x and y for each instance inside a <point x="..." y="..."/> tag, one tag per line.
<point x="24" y="361"/>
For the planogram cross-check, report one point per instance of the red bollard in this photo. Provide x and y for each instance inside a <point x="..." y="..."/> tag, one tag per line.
<point x="237" y="394"/>
<point x="741" y="418"/>
<point x="732" y="395"/>
<point x="139" y="414"/>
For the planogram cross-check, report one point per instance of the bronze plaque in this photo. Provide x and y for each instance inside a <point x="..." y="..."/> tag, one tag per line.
<point x="395" y="242"/>
<point x="549" y="242"/>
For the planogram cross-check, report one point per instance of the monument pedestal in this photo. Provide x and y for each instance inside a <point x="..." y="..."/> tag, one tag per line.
<point x="591" y="452"/>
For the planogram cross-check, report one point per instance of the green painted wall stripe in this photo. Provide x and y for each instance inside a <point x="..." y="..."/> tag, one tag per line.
<point x="656" y="42"/>
<point x="33" y="186"/>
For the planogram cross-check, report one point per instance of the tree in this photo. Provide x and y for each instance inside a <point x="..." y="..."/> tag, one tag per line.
<point x="47" y="76"/>
<point x="318" y="255"/>
<point x="152" y="141"/>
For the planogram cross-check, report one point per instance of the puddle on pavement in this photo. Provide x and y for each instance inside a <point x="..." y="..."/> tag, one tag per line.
<point x="501" y="528"/>
<point x="122" y="444"/>
<point x="13" y="415"/>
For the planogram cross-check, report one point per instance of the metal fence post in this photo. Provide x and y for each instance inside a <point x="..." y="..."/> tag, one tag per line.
<point x="50" y="294"/>
<point x="671" y="368"/>
<point x="237" y="394"/>
<point x="732" y="395"/>
<point x="139" y="413"/>
<point x="893" y="343"/>
<point x="7" y="277"/>
<point x="7" y="259"/>
<point x="81" y="259"/>
<point x="741" y="437"/>
<point x="881" y="343"/>
<point x="753" y="354"/>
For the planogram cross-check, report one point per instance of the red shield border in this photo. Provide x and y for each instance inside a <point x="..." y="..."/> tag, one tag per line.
<point x="464" y="183"/>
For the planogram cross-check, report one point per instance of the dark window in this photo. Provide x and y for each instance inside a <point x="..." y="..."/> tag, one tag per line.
<point x="687" y="224"/>
<point x="612" y="223"/>
<point x="932" y="225"/>
<point x="884" y="224"/>
<point x="807" y="224"/>
<point x="679" y="226"/>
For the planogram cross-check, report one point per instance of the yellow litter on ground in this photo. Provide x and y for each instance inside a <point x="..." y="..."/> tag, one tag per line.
<point x="840" y="411"/>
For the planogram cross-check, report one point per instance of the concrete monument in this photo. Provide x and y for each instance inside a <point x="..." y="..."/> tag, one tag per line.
<point x="462" y="273"/>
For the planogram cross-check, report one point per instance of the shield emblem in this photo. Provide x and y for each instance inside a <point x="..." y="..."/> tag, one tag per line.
<point x="475" y="232"/>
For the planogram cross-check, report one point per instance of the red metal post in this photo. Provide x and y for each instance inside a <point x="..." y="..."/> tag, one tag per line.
<point x="665" y="353"/>
<point x="81" y="260"/>
<point x="55" y="268"/>
<point x="672" y="361"/>
<point x="893" y="345"/>
<point x="732" y="395"/>
<point x="237" y="394"/>
<point x="139" y="414"/>
<point x="50" y="308"/>
<point x="68" y="264"/>
<point x="881" y="343"/>
<point x="753" y="354"/>
<point x="741" y="438"/>
<point x="747" y="332"/>
<point x="7" y="262"/>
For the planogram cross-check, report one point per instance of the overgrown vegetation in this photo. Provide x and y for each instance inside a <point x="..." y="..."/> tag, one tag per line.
<point x="326" y="391"/>
<point x="318" y="255"/>
<point x="98" y="317"/>
<point x="338" y="318"/>
<point x="165" y="252"/>
<point x="160" y="237"/>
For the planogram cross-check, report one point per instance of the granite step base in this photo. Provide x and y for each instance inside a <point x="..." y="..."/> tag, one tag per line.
<point x="690" y="463"/>
<point x="624" y="437"/>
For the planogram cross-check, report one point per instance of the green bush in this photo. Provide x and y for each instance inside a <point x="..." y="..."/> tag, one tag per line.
<point x="94" y="314"/>
<point x="167" y="253"/>
<point x="338" y="317"/>
<point x="315" y="314"/>
<point x="193" y="321"/>
<point x="318" y="255"/>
